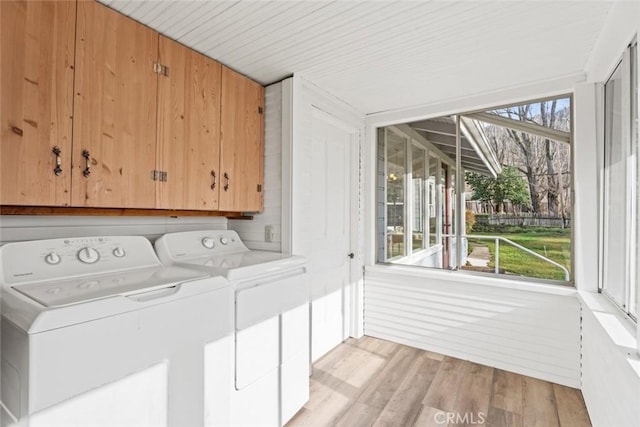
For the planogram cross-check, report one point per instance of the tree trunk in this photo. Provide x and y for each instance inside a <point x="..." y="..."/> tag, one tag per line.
<point x="533" y="191"/>
<point x="523" y="141"/>
<point x="553" y="185"/>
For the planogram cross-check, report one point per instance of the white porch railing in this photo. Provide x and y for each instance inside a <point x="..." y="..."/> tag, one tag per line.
<point x="498" y="239"/>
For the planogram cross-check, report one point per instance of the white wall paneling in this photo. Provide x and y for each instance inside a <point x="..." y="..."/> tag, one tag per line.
<point x="253" y="232"/>
<point x="610" y="365"/>
<point x="531" y="333"/>
<point x="19" y="227"/>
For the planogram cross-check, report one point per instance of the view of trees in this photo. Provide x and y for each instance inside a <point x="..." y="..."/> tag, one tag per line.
<point x="541" y="165"/>
<point x="509" y="185"/>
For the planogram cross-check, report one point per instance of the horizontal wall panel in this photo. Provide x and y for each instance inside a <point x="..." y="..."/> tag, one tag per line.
<point x="534" y="354"/>
<point x="611" y="387"/>
<point x="439" y="320"/>
<point x="476" y="305"/>
<point x="531" y="333"/>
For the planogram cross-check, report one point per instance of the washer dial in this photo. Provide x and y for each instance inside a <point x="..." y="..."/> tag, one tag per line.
<point x="88" y="255"/>
<point x="208" y="242"/>
<point x="52" y="258"/>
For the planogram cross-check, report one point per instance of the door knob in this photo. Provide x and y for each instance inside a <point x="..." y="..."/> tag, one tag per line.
<point x="351" y="255"/>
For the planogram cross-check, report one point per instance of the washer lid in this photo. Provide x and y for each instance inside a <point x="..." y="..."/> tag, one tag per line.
<point x="79" y="290"/>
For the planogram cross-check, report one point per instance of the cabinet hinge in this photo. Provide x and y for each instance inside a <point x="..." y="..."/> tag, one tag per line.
<point x="259" y="188"/>
<point x="260" y="110"/>
<point x="160" y="69"/>
<point x="158" y="176"/>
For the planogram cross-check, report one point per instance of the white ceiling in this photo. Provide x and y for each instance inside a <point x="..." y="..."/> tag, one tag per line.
<point x="386" y="55"/>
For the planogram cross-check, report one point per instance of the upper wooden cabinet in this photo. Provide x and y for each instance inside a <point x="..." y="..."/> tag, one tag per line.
<point x="188" y="128"/>
<point x="154" y="124"/>
<point x="37" y="60"/>
<point x="241" y="143"/>
<point x="114" y="128"/>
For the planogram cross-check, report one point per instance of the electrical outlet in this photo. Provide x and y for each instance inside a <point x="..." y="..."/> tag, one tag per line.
<point x="268" y="233"/>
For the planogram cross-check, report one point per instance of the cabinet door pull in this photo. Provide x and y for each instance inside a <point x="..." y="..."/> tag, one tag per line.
<point x="213" y="184"/>
<point x="87" y="167"/>
<point x="58" y="169"/>
<point x="226" y="181"/>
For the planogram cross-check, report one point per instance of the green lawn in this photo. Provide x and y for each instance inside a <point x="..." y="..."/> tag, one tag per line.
<point x="553" y="243"/>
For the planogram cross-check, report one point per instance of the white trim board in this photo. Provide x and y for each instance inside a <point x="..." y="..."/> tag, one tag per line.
<point x="19" y="227"/>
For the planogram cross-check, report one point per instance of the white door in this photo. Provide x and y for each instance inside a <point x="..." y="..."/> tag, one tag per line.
<point x="328" y="240"/>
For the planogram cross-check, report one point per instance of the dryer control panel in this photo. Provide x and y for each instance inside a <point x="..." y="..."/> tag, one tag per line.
<point x="178" y="247"/>
<point x="33" y="261"/>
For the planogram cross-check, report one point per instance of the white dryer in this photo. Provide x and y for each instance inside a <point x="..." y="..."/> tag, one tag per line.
<point x="271" y="371"/>
<point x="97" y="332"/>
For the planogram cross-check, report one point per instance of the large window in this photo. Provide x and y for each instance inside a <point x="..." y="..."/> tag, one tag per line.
<point x="620" y="200"/>
<point x="413" y="229"/>
<point x="488" y="193"/>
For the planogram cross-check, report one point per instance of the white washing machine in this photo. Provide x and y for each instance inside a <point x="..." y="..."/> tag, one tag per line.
<point x="97" y="332"/>
<point x="271" y="371"/>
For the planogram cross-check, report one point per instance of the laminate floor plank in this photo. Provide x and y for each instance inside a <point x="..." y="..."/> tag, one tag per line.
<point x="371" y="382"/>
<point x="431" y="417"/>
<point x="380" y="389"/>
<point x="571" y="408"/>
<point x="474" y="394"/>
<point x="497" y="417"/>
<point x="443" y="392"/>
<point x="380" y="347"/>
<point x="539" y="404"/>
<point x="507" y="391"/>
<point x="405" y="404"/>
<point x="325" y="407"/>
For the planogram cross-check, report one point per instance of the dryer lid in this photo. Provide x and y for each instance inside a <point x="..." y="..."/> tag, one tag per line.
<point x="248" y="264"/>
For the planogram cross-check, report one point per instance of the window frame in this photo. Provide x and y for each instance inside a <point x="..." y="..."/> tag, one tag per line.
<point x="457" y="204"/>
<point x="430" y="154"/>
<point x="628" y="299"/>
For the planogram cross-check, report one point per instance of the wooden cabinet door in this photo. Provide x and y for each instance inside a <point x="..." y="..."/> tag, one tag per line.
<point x="241" y="143"/>
<point x="188" y="128"/>
<point x="37" y="59"/>
<point x="114" y="127"/>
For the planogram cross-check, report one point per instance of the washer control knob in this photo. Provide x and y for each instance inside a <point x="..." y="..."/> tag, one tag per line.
<point x="88" y="255"/>
<point x="224" y="240"/>
<point x="208" y="242"/>
<point x="119" y="252"/>
<point x="52" y="258"/>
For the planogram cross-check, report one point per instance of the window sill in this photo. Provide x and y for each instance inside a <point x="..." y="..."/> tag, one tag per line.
<point x="475" y="279"/>
<point x="620" y="328"/>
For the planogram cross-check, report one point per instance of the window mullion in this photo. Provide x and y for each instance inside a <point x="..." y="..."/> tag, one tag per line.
<point x="408" y="198"/>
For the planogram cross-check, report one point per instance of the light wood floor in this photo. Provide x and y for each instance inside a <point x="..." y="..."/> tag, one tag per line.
<point x="369" y="382"/>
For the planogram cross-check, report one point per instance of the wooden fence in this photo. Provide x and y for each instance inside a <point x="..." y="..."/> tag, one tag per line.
<point x="524" y="219"/>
